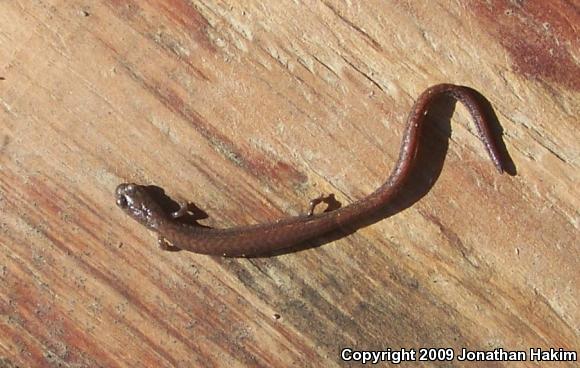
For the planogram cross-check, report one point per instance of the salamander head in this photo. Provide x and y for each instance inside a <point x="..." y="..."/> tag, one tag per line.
<point x="136" y="201"/>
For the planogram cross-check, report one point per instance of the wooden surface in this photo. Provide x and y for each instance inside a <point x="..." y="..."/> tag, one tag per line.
<point x="250" y="111"/>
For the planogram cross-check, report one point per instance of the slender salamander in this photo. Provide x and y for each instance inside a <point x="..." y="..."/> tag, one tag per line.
<point x="253" y="240"/>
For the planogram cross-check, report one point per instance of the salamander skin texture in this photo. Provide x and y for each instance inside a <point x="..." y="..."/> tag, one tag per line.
<point x="269" y="238"/>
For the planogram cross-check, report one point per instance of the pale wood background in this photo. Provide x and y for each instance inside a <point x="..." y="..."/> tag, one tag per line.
<point x="250" y="109"/>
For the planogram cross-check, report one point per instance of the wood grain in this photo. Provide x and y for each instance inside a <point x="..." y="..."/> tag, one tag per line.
<point x="250" y="111"/>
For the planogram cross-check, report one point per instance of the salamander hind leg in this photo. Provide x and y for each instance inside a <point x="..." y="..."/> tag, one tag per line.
<point x="318" y="200"/>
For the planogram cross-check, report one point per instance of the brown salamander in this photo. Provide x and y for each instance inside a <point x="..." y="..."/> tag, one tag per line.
<point x="267" y="238"/>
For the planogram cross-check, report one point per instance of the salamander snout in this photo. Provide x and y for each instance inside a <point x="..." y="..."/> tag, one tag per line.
<point x="125" y="194"/>
<point x="136" y="201"/>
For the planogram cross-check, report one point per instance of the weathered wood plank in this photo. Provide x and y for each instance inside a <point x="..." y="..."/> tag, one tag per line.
<point x="250" y="110"/>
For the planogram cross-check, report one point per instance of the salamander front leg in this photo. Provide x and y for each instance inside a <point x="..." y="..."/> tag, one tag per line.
<point x="166" y="245"/>
<point x="185" y="208"/>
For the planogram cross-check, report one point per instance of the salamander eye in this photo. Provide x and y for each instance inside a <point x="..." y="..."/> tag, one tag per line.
<point x="122" y="201"/>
